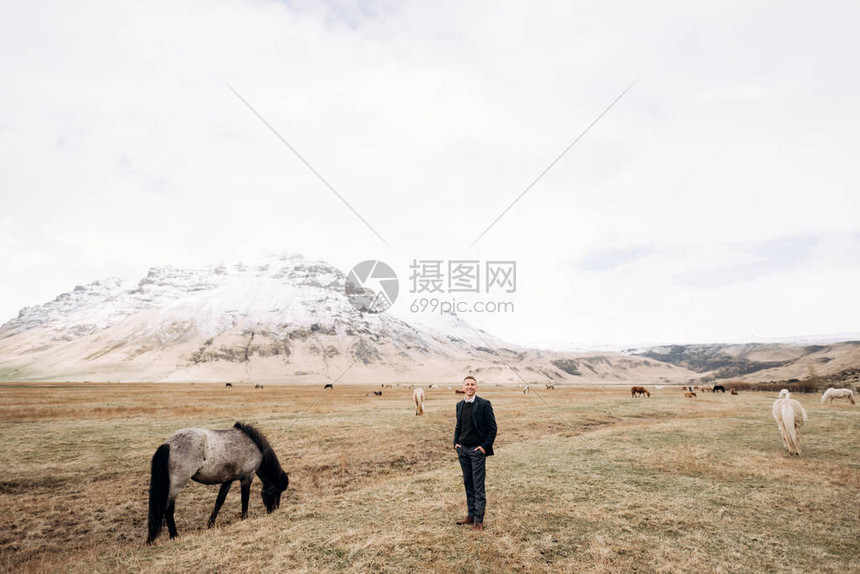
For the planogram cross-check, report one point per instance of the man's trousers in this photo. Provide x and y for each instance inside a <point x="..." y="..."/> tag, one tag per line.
<point x="473" y="464"/>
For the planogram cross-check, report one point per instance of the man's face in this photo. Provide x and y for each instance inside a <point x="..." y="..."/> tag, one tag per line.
<point x="470" y="387"/>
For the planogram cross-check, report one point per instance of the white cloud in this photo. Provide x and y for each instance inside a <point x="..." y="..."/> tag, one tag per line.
<point x="123" y="149"/>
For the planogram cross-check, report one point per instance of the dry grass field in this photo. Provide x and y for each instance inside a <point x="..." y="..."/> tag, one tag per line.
<point x="694" y="485"/>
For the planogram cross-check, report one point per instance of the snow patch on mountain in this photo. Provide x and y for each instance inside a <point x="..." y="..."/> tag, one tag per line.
<point x="283" y="318"/>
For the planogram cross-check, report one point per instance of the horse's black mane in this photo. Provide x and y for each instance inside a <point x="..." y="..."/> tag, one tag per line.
<point x="270" y="469"/>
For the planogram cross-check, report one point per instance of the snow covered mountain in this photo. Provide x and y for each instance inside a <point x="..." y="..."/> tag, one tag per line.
<point x="284" y="319"/>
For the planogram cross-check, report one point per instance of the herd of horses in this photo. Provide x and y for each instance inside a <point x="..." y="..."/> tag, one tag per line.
<point x="690" y="392"/>
<point x="224" y="456"/>
<point x="788" y="413"/>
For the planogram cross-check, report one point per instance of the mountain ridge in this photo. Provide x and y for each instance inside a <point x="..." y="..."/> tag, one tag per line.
<point x="288" y="319"/>
<point x="758" y="362"/>
<point x="285" y="319"/>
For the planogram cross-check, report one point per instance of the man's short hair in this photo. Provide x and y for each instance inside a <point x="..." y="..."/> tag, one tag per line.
<point x="471" y="377"/>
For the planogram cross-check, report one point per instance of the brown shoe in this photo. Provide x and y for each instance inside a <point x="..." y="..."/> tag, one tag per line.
<point x="479" y="526"/>
<point x="467" y="520"/>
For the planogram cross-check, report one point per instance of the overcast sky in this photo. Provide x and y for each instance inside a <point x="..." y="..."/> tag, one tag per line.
<point x="717" y="200"/>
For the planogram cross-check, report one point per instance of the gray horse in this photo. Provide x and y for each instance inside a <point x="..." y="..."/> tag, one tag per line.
<point x="212" y="457"/>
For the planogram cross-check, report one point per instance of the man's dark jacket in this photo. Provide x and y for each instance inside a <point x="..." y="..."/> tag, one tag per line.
<point x="483" y="421"/>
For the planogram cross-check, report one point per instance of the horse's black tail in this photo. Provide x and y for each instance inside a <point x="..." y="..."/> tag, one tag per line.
<point x="159" y="488"/>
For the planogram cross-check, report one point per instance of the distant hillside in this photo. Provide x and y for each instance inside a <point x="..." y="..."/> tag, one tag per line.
<point x="758" y="362"/>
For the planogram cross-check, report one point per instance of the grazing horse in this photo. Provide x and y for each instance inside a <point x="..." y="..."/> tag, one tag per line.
<point x="831" y="394"/>
<point x="639" y="391"/>
<point x="734" y="391"/>
<point x="258" y="386"/>
<point x="377" y="393"/>
<point x="418" y="400"/>
<point x="212" y="457"/>
<point x="719" y="388"/>
<point x="229" y="385"/>
<point x="328" y="386"/>
<point x="690" y="395"/>
<point x="550" y="387"/>
<point x="789" y="416"/>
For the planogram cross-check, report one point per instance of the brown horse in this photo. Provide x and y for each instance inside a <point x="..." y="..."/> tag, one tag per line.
<point x="639" y="391"/>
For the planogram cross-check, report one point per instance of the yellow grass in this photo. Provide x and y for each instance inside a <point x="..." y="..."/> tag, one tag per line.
<point x="664" y="484"/>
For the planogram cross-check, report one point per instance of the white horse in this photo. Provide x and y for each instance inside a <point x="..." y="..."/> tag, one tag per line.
<point x="831" y="394"/>
<point x="418" y="400"/>
<point x="784" y="394"/>
<point x="789" y="416"/>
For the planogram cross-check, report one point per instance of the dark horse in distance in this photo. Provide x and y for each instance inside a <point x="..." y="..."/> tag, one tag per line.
<point x="212" y="457"/>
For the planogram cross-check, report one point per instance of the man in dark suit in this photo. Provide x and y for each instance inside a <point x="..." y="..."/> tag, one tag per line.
<point x="473" y="441"/>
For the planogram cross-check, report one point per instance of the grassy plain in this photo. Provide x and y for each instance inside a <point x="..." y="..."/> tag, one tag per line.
<point x="665" y="484"/>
